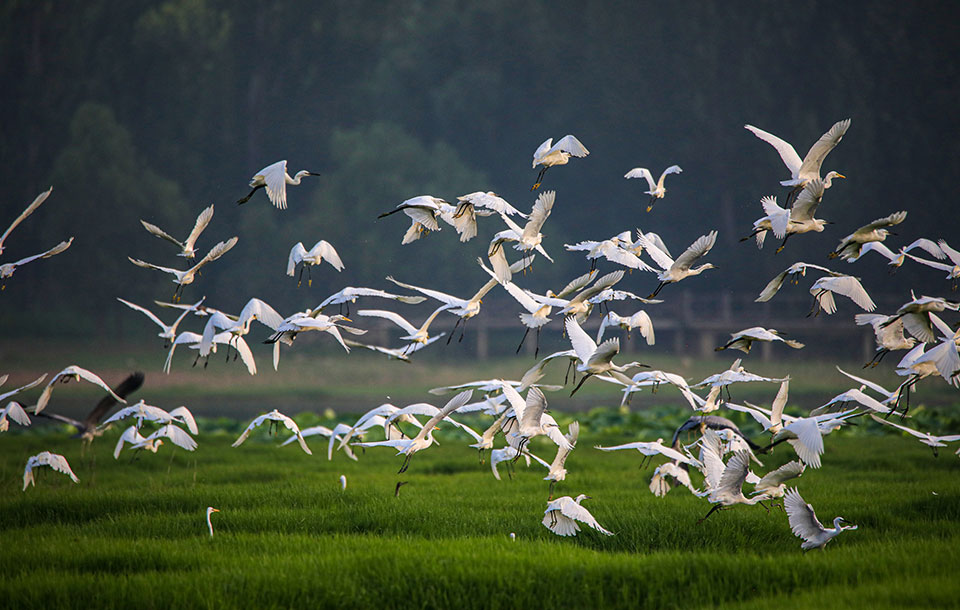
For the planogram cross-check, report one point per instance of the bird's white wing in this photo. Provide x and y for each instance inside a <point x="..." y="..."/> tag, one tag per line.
<point x="807" y="202"/>
<point x="256" y="422"/>
<point x="803" y="521"/>
<point x="202" y="221"/>
<point x="154" y="229"/>
<point x="58" y="463"/>
<point x="389" y="315"/>
<point x="30" y="209"/>
<point x="297" y="253"/>
<point x="660" y="257"/>
<point x="735" y="472"/>
<point x="850" y="287"/>
<point x="577" y="284"/>
<point x="130" y="435"/>
<point x="262" y="312"/>
<point x="145" y="312"/>
<point x="177" y="436"/>
<point x="516" y="401"/>
<point x="541" y="151"/>
<point x="696" y="250"/>
<point x="435" y="294"/>
<point x="14" y="411"/>
<point x="827" y="142"/>
<point x="328" y="253"/>
<point x="642" y="172"/>
<point x="673" y="169"/>
<point x="184" y="415"/>
<point x="573" y="510"/>
<point x="582" y="344"/>
<point x="759" y="416"/>
<point x="809" y="442"/>
<point x="786" y="151"/>
<point x="541" y="210"/>
<point x="216" y="252"/>
<point x="452" y="405"/>
<point x="778" y="476"/>
<point x="146" y="265"/>
<point x="275" y="177"/>
<point x="30" y="385"/>
<point x="571" y="145"/>
<point x="51" y="252"/>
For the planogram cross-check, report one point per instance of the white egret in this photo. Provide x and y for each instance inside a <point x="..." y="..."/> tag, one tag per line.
<point x="395" y="353"/>
<point x="537" y="314"/>
<point x="471" y="205"/>
<point x="887" y="395"/>
<point x="141" y="411"/>
<point x="794" y="272"/>
<point x="875" y="231"/>
<point x="952" y="267"/>
<point x="87" y="429"/>
<point x="926" y="438"/>
<point x="549" y="154"/>
<point x="38" y="200"/>
<point x="414" y="334"/>
<point x="425" y="438"/>
<point x="193" y="341"/>
<point x="177" y="436"/>
<point x="510" y="455"/>
<point x="343" y="482"/>
<point x="168" y="332"/>
<point x="655" y="378"/>
<point x="808" y="168"/>
<point x="639" y="320"/>
<point x="210" y="511"/>
<point x="321" y="251"/>
<point x="7" y="269"/>
<point x="847" y="285"/>
<point x="595" y="359"/>
<point x="558" y="471"/>
<point x="580" y="305"/>
<point x="239" y="326"/>
<point x="292" y="326"/>
<point x="186" y="246"/>
<point x="852" y="395"/>
<point x="896" y="258"/>
<point x="650" y="449"/>
<point x="14" y="392"/>
<point x="526" y="239"/>
<point x="889" y="334"/>
<point x="735" y="374"/>
<point x="334" y="435"/>
<point x="422" y="211"/>
<point x="784" y="222"/>
<point x="743" y="340"/>
<point x="531" y="419"/>
<point x="674" y="271"/>
<point x="657" y="190"/>
<point x="13" y="411"/>
<point x="662" y="474"/>
<point x="729" y="491"/>
<point x="917" y="315"/>
<point x="274" y="178"/>
<point x="184" y="277"/>
<point x="45" y="458"/>
<point x="920" y="363"/>
<point x="72" y="373"/>
<point x="805" y="525"/>
<point x="563" y="513"/>
<point x="274" y="417"/>
<point x="614" y="250"/>
<point x="350" y="294"/>
<point x="773" y="484"/>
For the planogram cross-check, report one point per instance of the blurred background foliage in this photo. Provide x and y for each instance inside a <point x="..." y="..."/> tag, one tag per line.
<point x="155" y="109"/>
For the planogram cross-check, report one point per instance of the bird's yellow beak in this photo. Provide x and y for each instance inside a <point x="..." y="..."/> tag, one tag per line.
<point x="216" y="510"/>
<point x="841" y="176"/>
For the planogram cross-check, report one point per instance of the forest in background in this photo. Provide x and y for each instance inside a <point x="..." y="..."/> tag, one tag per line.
<point x="155" y="109"/>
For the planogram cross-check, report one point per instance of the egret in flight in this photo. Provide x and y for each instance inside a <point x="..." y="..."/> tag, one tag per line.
<point x="549" y="154"/>
<point x="274" y="178"/>
<point x="657" y="190"/>
<point x="806" y="526"/>
<point x="23" y="215"/>
<point x="186" y="246"/>
<point x="563" y="513"/>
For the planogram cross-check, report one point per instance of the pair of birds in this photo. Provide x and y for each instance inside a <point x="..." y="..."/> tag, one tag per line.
<point x="7" y="269"/>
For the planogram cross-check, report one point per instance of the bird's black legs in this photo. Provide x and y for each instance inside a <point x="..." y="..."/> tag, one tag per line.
<point x="585" y="377"/>
<point x="715" y="508"/>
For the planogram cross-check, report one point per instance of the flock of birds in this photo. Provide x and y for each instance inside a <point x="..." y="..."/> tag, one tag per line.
<point x="517" y="409"/>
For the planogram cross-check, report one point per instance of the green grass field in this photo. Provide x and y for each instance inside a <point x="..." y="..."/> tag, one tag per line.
<point x="133" y="534"/>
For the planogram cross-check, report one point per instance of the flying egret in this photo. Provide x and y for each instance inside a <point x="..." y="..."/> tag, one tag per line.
<point x="88" y="428"/>
<point x="549" y="154"/>
<point x="580" y="304"/>
<point x="657" y="190"/>
<point x="45" y="458"/>
<point x="729" y="491"/>
<point x="595" y="359"/>
<point x="806" y="526"/>
<point x="536" y="316"/>
<point x="735" y="374"/>
<point x="152" y="443"/>
<point x="193" y="341"/>
<point x="639" y="320"/>
<point x="558" y="471"/>
<point x="7" y="269"/>
<point x="808" y="168"/>
<point x="852" y="395"/>
<point x="660" y="481"/>
<point x="274" y="178"/>
<point x="275" y="418"/>
<point x="952" y="267"/>
<point x="168" y="332"/>
<point x="423" y="211"/>
<point x="847" y="285"/>
<point x="141" y="412"/>
<point x="321" y="251"/>
<point x="526" y="238"/>
<point x="702" y="423"/>
<point x="23" y="388"/>
<point x="210" y="511"/>
<point x="414" y="334"/>
<point x="239" y="326"/>
<point x="38" y="200"/>
<point x="563" y="513"/>
<point x="72" y="373"/>
<point x="655" y="378"/>
<point x="794" y="272"/>
<point x="186" y="246"/>
<point x="510" y="455"/>
<point x="773" y="484"/>
<point x="851" y="245"/>
<point x="920" y="363"/>
<point x="917" y="315"/>
<point x="616" y="250"/>
<point x="896" y="259"/>
<point x="889" y="337"/>
<point x="784" y="222"/>
<point x="650" y="449"/>
<point x="425" y="438"/>
<point x="395" y="353"/>
<point x="530" y="419"/>
<point x="676" y="270"/>
<point x="743" y="340"/>
<point x="924" y="437"/>
<point x="13" y="411"/>
<point x="350" y="294"/>
<point x="334" y="435"/>
<point x="292" y="326"/>
<point x="185" y="277"/>
<point x="471" y="205"/>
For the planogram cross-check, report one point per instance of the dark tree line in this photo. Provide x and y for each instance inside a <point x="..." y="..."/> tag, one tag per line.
<point x="150" y="109"/>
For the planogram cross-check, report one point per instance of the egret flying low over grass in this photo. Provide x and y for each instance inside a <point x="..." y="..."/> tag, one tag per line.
<point x="729" y="491"/>
<point x="7" y="269"/>
<point x="657" y="190"/>
<point x="650" y="449"/>
<point x="563" y="513"/>
<point x="806" y="526"/>
<point x="549" y="154"/>
<point x="13" y="412"/>
<point x="38" y="200"/>
<point x="924" y="437"/>
<point x="558" y="471"/>
<point x="152" y="443"/>
<point x="186" y="246"/>
<point x="184" y="277"/>
<point x="168" y="332"/>
<point x="72" y="373"/>
<point x="274" y="178"/>
<point x="773" y="484"/>
<point x="321" y="251"/>
<point x="54" y="460"/>
<point x="676" y="270"/>
<point x="595" y="359"/>
<point x="414" y="334"/>
<point x="662" y="475"/>
<point x="274" y="418"/>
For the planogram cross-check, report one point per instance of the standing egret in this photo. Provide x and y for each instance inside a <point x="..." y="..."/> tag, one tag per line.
<point x="806" y="526"/>
<point x="23" y="215"/>
<point x="657" y="190"/>
<point x="186" y="246"/>
<point x="549" y="154"/>
<point x="563" y="513"/>
<point x="45" y="458"/>
<point x="676" y="270"/>
<point x="321" y="251"/>
<point x="184" y="277"/>
<point x="274" y="178"/>
<point x="210" y="511"/>
<point x="808" y="168"/>
<point x="875" y="231"/>
<point x="7" y="269"/>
